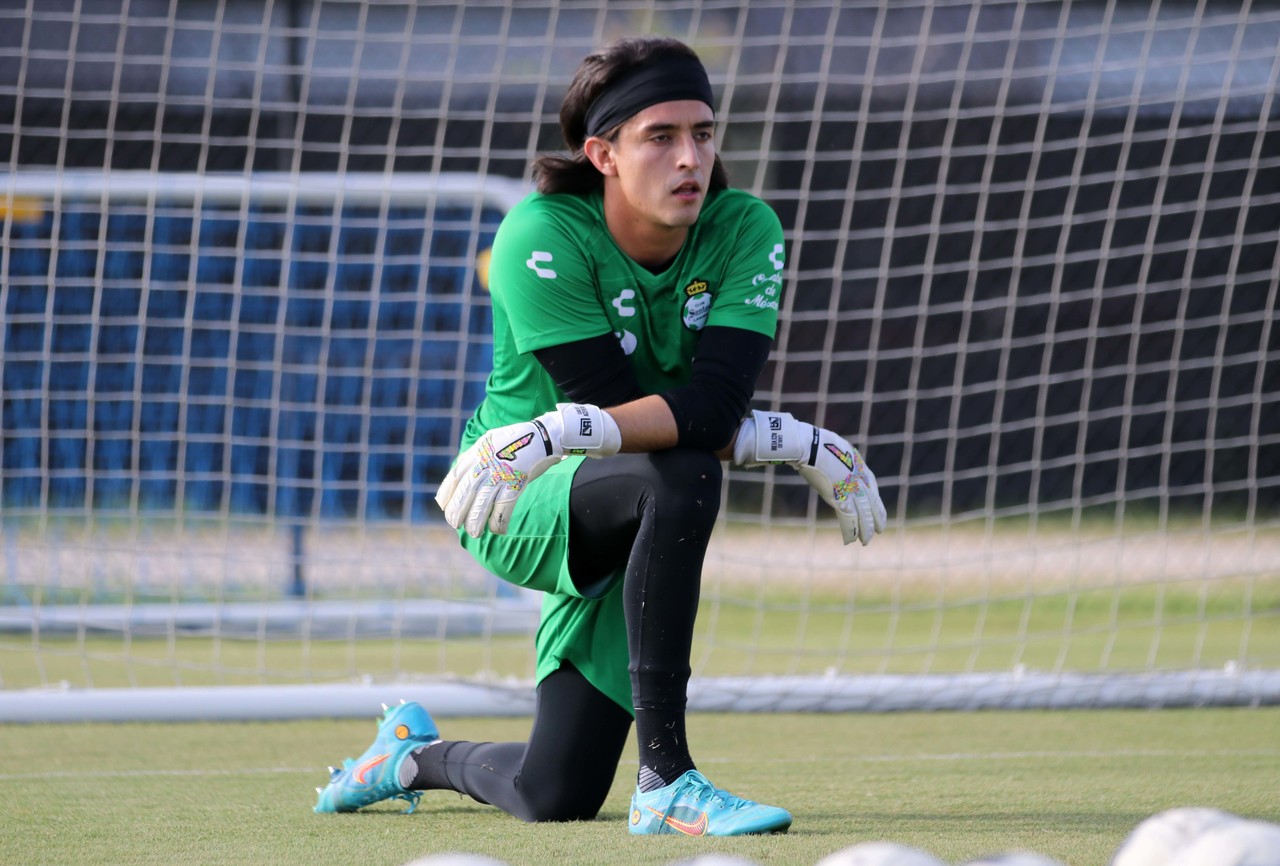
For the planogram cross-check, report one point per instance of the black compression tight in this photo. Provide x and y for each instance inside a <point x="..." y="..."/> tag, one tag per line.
<point x="651" y="516"/>
<point x="563" y="773"/>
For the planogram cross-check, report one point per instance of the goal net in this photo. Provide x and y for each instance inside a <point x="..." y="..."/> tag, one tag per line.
<point x="1032" y="274"/>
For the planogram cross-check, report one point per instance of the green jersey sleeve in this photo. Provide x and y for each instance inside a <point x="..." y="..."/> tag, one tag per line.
<point x="752" y="287"/>
<point x="541" y="274"/>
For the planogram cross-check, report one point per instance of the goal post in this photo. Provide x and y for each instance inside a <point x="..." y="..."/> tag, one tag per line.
<point x="1032" y="273"/>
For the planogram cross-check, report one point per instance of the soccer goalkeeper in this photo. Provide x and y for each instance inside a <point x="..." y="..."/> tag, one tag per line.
<point x="635" y="300"/>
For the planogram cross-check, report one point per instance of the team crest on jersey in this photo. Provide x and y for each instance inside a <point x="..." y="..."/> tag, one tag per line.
<point x="697" y="305"/>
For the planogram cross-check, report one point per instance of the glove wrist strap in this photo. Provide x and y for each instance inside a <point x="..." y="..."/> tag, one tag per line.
<point x="772" y="437"/>
<point x="588" y="430"/>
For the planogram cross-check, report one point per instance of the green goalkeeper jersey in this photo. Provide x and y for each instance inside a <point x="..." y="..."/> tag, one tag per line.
<point x="556" y="276"/>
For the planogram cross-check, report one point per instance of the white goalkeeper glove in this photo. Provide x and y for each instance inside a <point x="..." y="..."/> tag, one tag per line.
<point x="831" y="465"/>
<point x="483" y="485"/>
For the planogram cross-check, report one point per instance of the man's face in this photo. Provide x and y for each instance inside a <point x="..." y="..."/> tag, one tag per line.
<point x="663" y="157"/>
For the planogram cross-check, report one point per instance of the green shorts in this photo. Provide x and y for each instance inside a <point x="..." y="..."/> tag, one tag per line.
<point x="590" y="633"/>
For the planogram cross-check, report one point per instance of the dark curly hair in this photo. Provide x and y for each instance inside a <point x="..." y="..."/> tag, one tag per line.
<point x="574" y="173"/>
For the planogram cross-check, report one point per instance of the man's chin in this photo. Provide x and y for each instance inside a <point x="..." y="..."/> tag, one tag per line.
<point x="685" y="216"/>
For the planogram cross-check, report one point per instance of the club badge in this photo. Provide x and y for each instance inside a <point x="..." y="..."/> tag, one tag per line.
<point x="697" y="305"/>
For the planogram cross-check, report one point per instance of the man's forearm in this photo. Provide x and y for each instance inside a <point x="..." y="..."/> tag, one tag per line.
<point x="646" y="425"/>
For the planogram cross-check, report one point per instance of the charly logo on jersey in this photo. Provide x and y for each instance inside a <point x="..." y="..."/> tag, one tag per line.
<point x="625" y="304"/>
<point x="697" y="305"/>
<point x="627" y="340"/>
<point x="622" y="303"/>
<point x="538" y="258"/>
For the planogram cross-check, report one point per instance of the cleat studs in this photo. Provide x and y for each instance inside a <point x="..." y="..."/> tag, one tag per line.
<point x="385" y="707"/>
<point x="319" y="790"/>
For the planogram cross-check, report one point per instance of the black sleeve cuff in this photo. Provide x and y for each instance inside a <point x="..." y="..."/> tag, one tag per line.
<point x="710" y="407"/>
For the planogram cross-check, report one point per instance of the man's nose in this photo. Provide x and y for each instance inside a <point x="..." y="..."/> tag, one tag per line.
<point x="687" y="152"/>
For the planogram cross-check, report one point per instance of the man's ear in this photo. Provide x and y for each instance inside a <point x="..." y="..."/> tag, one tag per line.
<point x="600" y="152"/>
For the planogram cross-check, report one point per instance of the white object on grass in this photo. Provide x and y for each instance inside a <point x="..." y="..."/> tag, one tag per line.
<point x="1156" y="840"/>
<point x="1234" y="843"/>
<point x="880" y="854"/>
<point x="1015" y="858"/>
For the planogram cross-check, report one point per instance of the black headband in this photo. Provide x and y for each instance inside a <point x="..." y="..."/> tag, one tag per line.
<point x="674" y="76"/>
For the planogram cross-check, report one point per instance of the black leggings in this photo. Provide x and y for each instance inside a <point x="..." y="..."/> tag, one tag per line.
<point x="563" y="773"/>
<point x="652" y="515"/>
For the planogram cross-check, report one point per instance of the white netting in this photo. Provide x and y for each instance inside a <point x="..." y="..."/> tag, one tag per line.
<point x="1032" y="274"/>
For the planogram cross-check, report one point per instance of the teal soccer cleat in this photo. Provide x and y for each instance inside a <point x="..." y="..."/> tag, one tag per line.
<point x="693" y="806"/>
<point x="376" y="775"/>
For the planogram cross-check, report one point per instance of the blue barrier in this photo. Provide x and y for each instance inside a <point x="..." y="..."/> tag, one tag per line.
<point x="312" y="362"/>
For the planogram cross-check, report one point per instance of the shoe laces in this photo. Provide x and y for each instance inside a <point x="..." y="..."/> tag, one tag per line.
<point x="701" y="790"/>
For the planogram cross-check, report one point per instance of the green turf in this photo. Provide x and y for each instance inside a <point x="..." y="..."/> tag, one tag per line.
<point x="1066" y="784"/>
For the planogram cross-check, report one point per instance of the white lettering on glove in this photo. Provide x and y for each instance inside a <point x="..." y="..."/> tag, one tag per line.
<point x="771" y="437"/>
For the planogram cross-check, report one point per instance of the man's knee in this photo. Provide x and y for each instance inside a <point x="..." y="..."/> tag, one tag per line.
<point x="555" y="803"/>
<point x="690" y="480"/>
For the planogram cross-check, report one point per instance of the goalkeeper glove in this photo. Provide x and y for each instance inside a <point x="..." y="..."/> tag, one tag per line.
<point x="488" y="478"/>
<point x="831" y="465"/>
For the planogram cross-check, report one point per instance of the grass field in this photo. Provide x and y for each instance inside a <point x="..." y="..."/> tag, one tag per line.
<point x="1067" y="784"/>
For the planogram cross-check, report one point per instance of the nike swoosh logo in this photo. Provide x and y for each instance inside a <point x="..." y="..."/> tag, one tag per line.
<point x="359" y="774"/>
<point x="695" y="828"/>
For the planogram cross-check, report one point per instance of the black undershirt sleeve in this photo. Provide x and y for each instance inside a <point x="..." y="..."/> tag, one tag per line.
<point x="594" y="370"/>
<point x="707" y="409"/>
